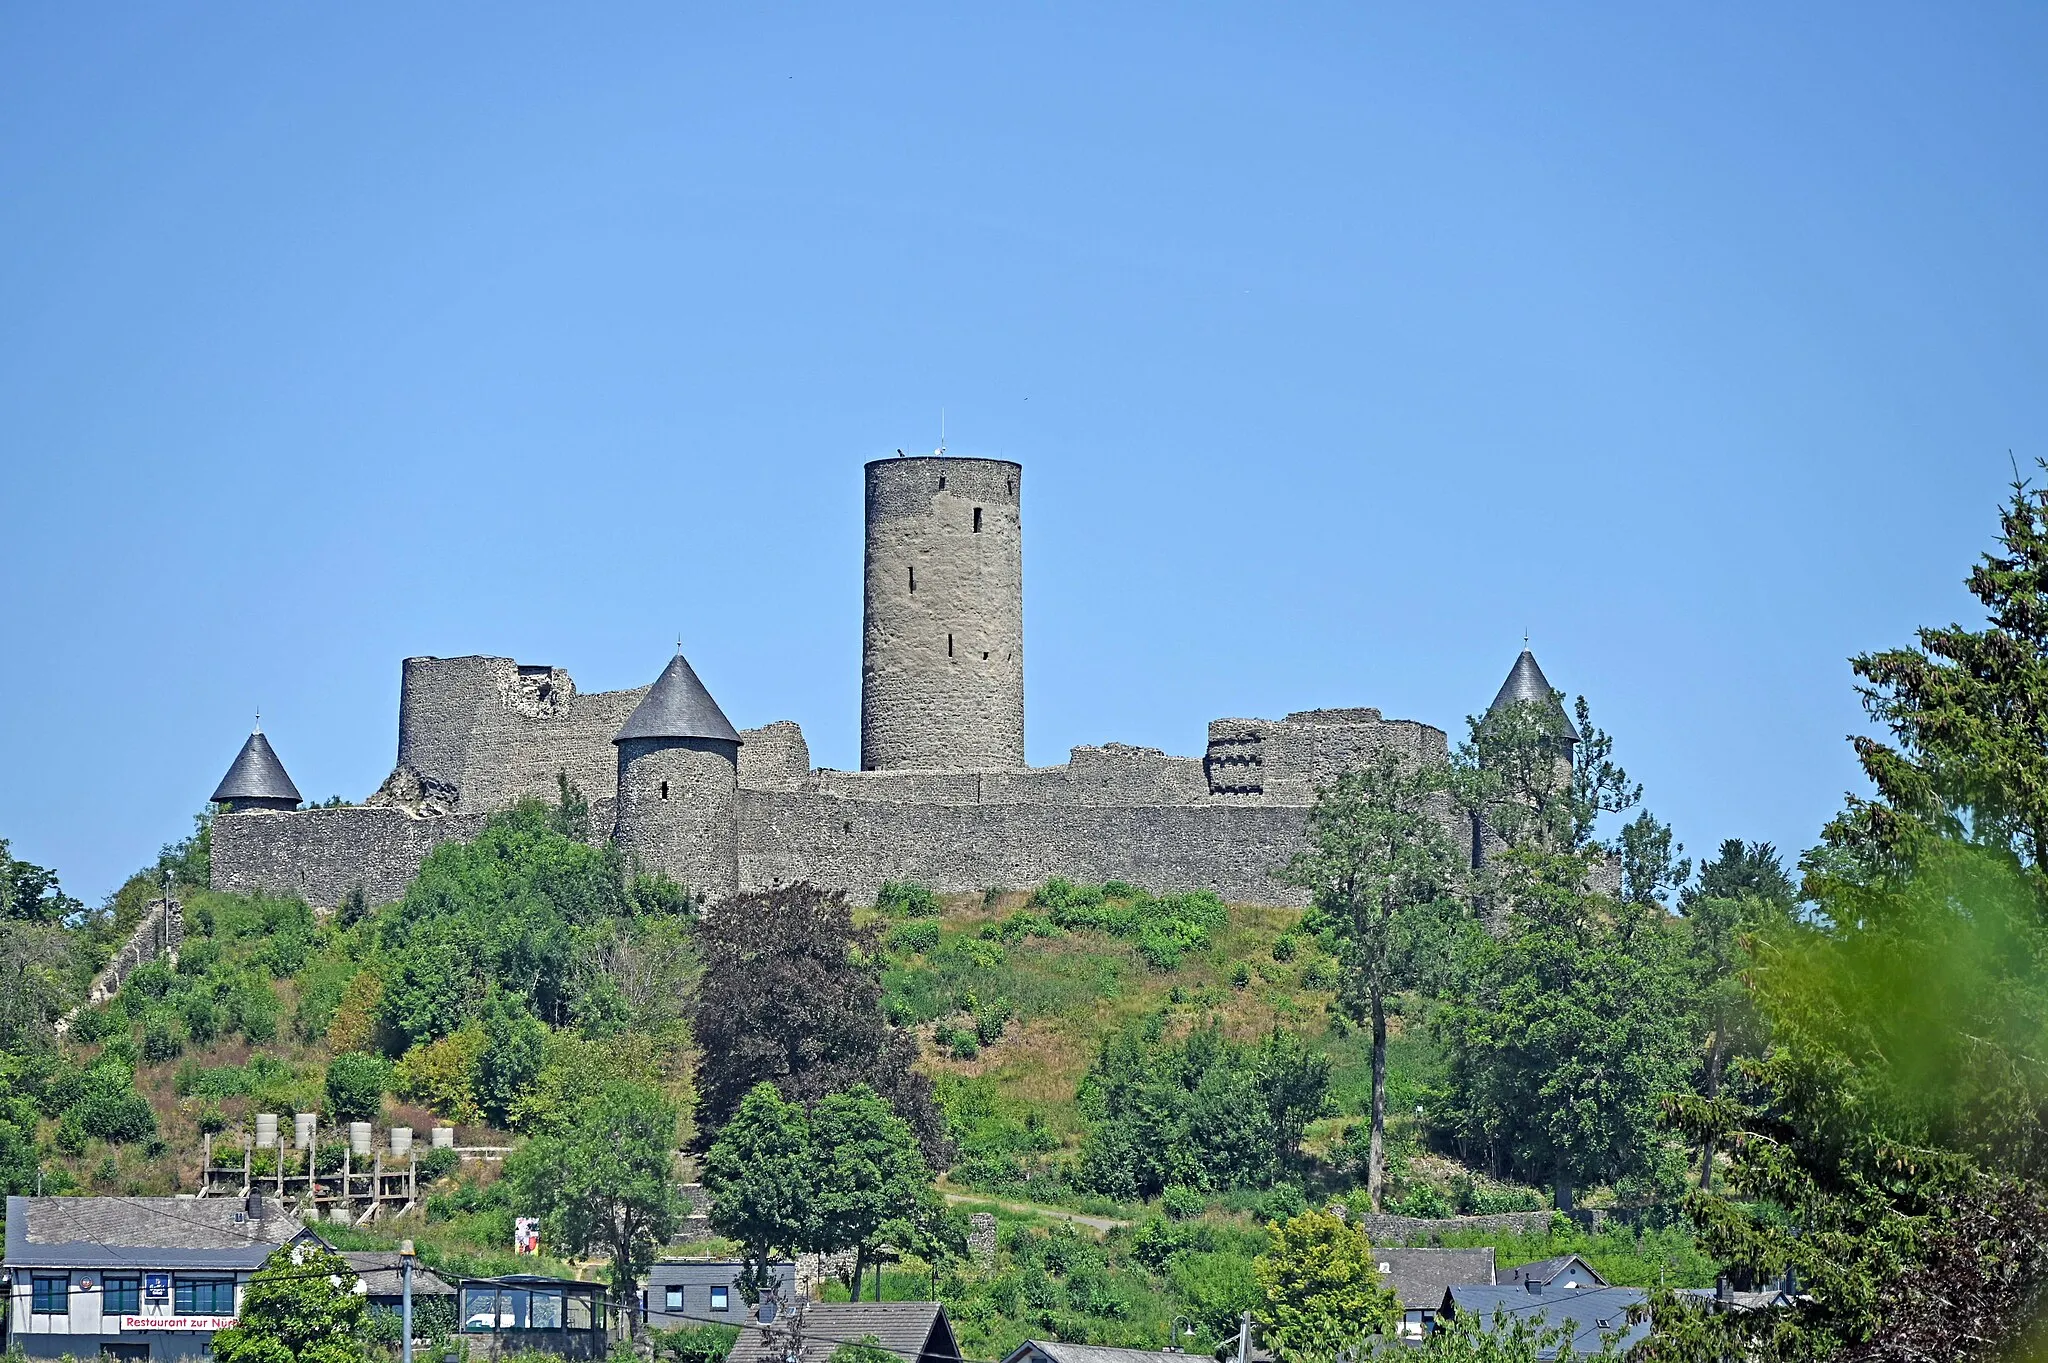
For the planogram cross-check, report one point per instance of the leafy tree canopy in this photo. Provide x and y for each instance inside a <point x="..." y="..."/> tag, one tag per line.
<point x="791" y="995"/>
<point x="302" y="1306"/>
<point x="1320" y="1289"/>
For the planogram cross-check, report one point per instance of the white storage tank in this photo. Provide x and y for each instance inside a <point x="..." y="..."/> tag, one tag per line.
<point x="266" y="1130"/>
<point x="304" y="1124"/>
<point x="443" y="1138"/>
<point x="401" y="1140"/>
<point x="359" y="1139"/>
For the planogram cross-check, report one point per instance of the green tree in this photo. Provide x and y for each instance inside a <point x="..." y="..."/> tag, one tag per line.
<point x="606" y="1181"/>
<point x="760" y="1175"/>
<point x="1651" y="867"/>
<point x="1967" y="710"/>
<point x="791" y="994"/>
<point x="31" y="894"/>
<point x="514" y="1043"/>
<point x="1381" y="867"/>
<point x="1320" y="1289"/>
<point x="1567" y="1029"/>
<point x="869" y="1175"/>
<point x="1741" y="870"/>
<point x="302" y="1306"/>
<point x="355" y="1086"/>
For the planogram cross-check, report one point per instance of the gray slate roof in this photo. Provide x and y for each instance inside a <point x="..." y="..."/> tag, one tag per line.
<point x="1061" y="1352"/>
<point x="911" y="1330"/>
<point x="1548" y="1271"/>
<point x="1526" y="682"/>
<point x="256" y="775"/>
<point x="1592" y="1312"/>
<point x="678" y="706"/>
<point x="1420" y="1277"/>
<point x="383" y="1275"/>
<point x="144" y="1232"/>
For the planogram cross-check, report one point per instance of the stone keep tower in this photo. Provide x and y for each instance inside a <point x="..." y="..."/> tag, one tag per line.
<point x="942" y="651"/>
<point x="678" y="769"/>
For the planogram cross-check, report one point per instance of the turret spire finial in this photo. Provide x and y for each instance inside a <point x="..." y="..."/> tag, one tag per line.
<point x="259" y="722"/>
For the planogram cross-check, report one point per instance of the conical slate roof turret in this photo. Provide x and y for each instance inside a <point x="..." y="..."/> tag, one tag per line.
<point x="677" y="706"/>
<point x="1526" y="682"/>
<point x="256" y="775"/>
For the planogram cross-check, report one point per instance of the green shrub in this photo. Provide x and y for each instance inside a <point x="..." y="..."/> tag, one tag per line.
<point x="161" y="1041"/>
<point x="438" y="1163"/>
<point x="252" y="1008"/>
<point x="990" y="1022"/>
<point x="151" y="979"/>
<point x="1422" y="1199"/>
<point x="210" y="1118"/>
<point x="70" y="1138"/>
<point x="965" y="1045"/>
<point x="201" y="1017"/>
<point x="914" y="937"/>
<point x="1283" y="947"/>
<point x="1181" y="1201"/>
<point x="93" y="1024"/>
<point x="1284" y="1202"/>
<point x="109" y="1107"/>
<point x="907" y="899"/>
<point x="694" y="1343"/>
<point x="355" y="1086"/>
<point x="1240" y="976"/>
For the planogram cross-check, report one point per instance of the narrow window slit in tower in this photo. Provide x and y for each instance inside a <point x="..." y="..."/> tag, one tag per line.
<point x="942" y="482"/>
<point x="1009" y="487"/>
<point x="664" y="790"/>
<point x="977" y="520"/>
<point x="913" y="577"/>
<point x="984" y="657"/>
<point x="949" y="645"/>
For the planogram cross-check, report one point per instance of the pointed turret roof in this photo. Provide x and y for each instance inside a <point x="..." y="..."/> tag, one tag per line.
<point x="677" y="706"/>
<point x="1526" y="682"/>
<point x="256" y="775"/>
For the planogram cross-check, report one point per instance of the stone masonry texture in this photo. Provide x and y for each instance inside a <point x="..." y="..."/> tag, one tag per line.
<point x="944" y="796"/>
<point x="942" y="648"/>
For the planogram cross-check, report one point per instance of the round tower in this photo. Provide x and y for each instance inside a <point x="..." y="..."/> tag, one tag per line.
<point x="678" y="770"/>
<point x="942" y="651"/>
<point x="256" y="780"/>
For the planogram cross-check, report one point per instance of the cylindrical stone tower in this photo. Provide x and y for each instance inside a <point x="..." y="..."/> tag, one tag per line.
<point x="942" y="652"/>
<point x="678" y="771"/>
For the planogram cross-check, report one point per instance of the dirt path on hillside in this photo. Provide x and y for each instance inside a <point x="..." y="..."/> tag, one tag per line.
<point x="1103" y="1224"/>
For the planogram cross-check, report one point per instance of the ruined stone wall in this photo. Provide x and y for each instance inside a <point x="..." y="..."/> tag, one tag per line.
<point x="856" y="845"/>
<point x="477" y="734"/>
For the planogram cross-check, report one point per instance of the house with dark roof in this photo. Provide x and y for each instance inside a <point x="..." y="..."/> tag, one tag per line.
<point x="1593" y="1315"/>
<point x="134" y="1278"/>
<point x="684" y="1292"/>
<point x="1420" y="1277"/>
<point x="1057" y="1351"/>
<point x="1565" y="1270"/>
<point x="383" y="1274"/>
<point x="914" y="1331"/>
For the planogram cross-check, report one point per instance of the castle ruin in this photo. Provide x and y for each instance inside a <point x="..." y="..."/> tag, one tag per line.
<point x="943" y="795"/>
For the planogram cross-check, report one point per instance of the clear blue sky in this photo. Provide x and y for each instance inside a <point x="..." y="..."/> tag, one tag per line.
<point x="1340" y="345"/>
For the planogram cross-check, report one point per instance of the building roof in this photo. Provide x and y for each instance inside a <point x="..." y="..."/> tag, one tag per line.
<point x="1061" y="1352"/>
<point x="383" y="1274"/>
<point x="1420" y="1277"/>
<point x="1526" y="682"/>
<point x="914" y="1331"/>
<point x="256" y="775"/>
<point x="1592" y="1312"/>
<point x="1577" y="1271"/>
<point x="145" y="1232"/>
<point x="677" y="706"/>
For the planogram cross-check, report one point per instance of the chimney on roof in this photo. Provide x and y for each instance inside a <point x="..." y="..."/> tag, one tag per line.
<point x="1724" y="1290"/>
<point x="1535" y="1287"/>
<point x="255" y="1205"/>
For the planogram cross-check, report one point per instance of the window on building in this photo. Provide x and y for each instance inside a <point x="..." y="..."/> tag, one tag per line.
<point x="203" y="1296"/>
<point x="1009" y="487"/>
<point x="913" y="578"/>
<point x="578" y="1313"/>
<point x="664" y="790"/>
<point x="977" y="520"/>
<point x="720" y="1298"/>
<point x="942" y="482"/>
<point x="949" y="645"/>
<point x="547" y="1310"/>
<point x="123" y="1297"/>
<point x="480" y="1309"/>
<point x="672" y="1298"/>
<point x="50" y="1297"/>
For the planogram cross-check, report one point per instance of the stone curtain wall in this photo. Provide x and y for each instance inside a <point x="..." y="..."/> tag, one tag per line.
<point x="321" y="854"/>
<point x="856" y="845"/>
